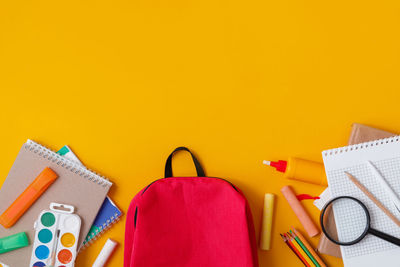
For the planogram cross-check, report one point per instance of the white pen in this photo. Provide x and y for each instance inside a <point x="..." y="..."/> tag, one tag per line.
<point x="395" y="199"/>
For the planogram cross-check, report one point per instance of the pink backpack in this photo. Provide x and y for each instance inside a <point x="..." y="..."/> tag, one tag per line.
<point x="189" y="221"/>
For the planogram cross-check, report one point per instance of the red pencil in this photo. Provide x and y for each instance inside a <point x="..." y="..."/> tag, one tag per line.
<point x="287" y="244"/>
<point x="292" y="248"/>
<point x="296" y="251"/>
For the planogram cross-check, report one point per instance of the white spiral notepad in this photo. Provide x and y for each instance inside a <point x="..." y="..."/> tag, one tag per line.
<point x="385" y="155"/>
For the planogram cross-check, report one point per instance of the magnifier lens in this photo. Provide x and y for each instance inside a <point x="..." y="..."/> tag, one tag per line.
<point x="348" y="212"/>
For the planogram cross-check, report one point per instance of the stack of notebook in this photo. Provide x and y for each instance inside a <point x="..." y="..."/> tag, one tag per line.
<point x="360" y="133"/>
<point x="71" y="187"/>
<point x="108" y="214"/>
<point x="96" y="210"/>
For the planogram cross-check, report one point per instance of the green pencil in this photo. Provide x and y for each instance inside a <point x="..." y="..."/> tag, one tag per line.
<point x="304" y="248"/>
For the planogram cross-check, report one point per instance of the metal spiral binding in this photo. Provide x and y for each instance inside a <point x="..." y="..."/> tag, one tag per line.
<point x="335" y="151"/>
<point x="94" y="236"/>
<point x="50" y="155"/>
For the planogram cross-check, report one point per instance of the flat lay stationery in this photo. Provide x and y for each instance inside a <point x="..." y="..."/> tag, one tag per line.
<point x="359" y="133"/>
<point x="70" y="187"/>
<point x="47" y="215"/>
<point x="385" y="155"/>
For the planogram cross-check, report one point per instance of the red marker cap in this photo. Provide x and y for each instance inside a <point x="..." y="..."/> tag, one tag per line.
<point x="279" y="165"/>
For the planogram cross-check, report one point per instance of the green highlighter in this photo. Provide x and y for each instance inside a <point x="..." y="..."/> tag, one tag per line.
<point x="12" y="242"/>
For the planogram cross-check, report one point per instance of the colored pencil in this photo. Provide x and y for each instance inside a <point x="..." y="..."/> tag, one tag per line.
<point x="298" y="251"/>
<point x="296" y="238"/>
<point x="294" y="252"/>
<point x="309" y="247"/>
<point x="373" y="198"/>
<point x="302" y="252"/>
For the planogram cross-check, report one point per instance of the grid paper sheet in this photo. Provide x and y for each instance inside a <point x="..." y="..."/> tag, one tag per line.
<point x="385" y="155"/>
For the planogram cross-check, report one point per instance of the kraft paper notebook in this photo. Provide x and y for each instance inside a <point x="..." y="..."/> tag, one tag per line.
<point x="359" y="133"/>
<point x="76" y="186"/>
<point x="385" y="155"/>
<point x="108" y="214"/>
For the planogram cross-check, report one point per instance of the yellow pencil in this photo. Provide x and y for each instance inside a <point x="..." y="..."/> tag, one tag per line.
<point x="309" y="247"/>
<point x="302" y="252"/>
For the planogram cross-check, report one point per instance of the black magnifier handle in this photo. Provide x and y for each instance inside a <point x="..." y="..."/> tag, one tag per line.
<point x="384" y="236"/>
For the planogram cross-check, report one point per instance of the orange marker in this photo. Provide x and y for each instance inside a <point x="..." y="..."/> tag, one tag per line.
<point x="28" y="197"/>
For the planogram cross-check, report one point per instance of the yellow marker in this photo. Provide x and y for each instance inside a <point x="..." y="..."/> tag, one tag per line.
<point x="300" y="169"/>
<point x="266" y="225"/>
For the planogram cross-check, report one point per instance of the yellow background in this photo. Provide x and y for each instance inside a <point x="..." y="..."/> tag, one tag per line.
<point x="124" y="82"/>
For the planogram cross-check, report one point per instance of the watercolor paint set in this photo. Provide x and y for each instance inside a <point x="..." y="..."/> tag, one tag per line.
<point x="56" y="237"/>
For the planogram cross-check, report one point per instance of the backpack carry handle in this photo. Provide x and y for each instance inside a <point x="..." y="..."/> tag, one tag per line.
<point x="168" y="164"/>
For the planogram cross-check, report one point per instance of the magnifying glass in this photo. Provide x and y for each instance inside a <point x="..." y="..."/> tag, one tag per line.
<point x="354" y="213"/>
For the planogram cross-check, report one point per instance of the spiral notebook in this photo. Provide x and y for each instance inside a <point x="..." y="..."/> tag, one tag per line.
<point x="108" y="214"/>
<point x="385" y="155"/>
<point x="360" y="133"/>
<point x="76" y="186"/>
